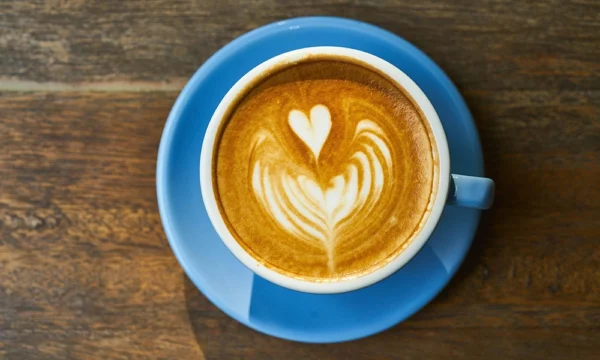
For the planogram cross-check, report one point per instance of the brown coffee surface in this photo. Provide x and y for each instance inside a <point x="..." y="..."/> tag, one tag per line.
<point x="325" y="170"/>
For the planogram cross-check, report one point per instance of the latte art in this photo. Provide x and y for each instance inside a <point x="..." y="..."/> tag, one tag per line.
<point x="304" y="206"/>
<point x="324" y="170"/>
<point x="313" y="131"/>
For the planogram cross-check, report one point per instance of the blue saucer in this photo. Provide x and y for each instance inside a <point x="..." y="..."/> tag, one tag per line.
<point x="236" y="290"/>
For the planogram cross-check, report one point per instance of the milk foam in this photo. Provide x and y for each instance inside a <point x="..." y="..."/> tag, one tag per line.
<point x="307" y="208"/>
<point x="324" y="170"/>
<point x="313" y="131"/>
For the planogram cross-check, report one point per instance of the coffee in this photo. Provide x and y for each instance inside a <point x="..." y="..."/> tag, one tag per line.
<point x="324" y="170"/>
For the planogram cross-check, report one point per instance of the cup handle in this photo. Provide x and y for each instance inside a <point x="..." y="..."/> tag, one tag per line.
<point x="471" y="191"/>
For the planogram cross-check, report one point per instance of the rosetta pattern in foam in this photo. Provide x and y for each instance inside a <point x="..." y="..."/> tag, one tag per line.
<point x="319" y="212"/>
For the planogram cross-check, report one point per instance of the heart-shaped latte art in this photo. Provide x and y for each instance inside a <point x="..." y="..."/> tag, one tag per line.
<point x="319" y="212"/>
<point x="314" y="131"/>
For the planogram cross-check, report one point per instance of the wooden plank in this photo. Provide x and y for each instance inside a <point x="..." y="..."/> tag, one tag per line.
<point x="489" y="44"/>
<point x="87" y="272"/>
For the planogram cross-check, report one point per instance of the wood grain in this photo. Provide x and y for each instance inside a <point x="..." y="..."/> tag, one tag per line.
<point x="87" y="273"/>
<point x="483" y="44"/>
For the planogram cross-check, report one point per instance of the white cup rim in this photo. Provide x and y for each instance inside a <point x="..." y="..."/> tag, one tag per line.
<point x="210" y="202"/>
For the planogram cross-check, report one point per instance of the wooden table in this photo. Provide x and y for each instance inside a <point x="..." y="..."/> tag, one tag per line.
<point x="86" y="271"/>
